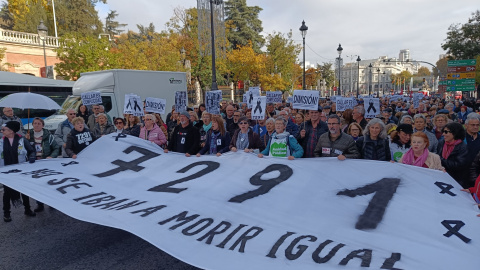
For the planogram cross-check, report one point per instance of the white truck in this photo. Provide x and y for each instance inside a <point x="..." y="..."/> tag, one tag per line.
<point x="114" y="84"/>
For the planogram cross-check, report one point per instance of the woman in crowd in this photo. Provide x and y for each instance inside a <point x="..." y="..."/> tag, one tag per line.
<point x="248" y="114"/>
<point x="161" y="124"/>
<point x="453" y="153"/>
<point x="152" y="132"/>
<point x="418" y="154"/>
<point x="14" y="149"/>
<point x="374" y="144"/>
<point x="406" y="119"/>
<point x="102" y="127"/>
<point x="194" y="120"/>
<point x="173" y="122"/>
<point x="390" y="128"/>
<point x="79" y="138"/>
<point x="299" y="119"/>
<point x="133" y="125"/>
<point x="270" y="125"/>
<point x="355" y="130"/>
<point x="207" y="125"/>
<point x="400" y="143"/>
<point x="462" y="114"/>
<point x="83" y="112"/>
<point x="244" y="138"/>
<point x="218" y="139"/>
<point x="347" y="119"/>
<point x="439" y="121"/>
<point x="282" y="144"/>
<point x="119" y="124"/>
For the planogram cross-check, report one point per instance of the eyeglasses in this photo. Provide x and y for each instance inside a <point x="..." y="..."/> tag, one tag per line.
<point x="118" y="123"/>
<point x="446" y="131"/>
<point x="236" y="115"/>
<point x="331" y="124"/>
<point x="242" y="123"/>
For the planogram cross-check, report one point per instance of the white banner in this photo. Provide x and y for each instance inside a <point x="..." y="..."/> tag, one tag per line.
<point x="305" y="99"/>
<point x="212" y="101"/>
<point x="180" y="101"/>
<point x="258" y="108"/>
<point x="272" y="213"/>
<point x="155" y="105"/>
<point x="372" y="107"/>
<point x="133" y="105"/>
<point x="91" y="98"/>
<point x="274" y="96"/>
<point x="343" y="103"/>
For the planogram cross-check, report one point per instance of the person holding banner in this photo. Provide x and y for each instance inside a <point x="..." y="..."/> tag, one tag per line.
<point x="218" y="139"/>
<point x="14" y="149"/>
<point x="374" y="143"/>
<point x="185" y="138"/>
<point x="207" y="125"/>
<point x="400" y="143"/>
<point x="310" y="132"/>
<point x="244" y="138"/>
<point x="335" y="143"/>
<point x="282" y="144"/>
<point x="133" y="125"/>
<point x="102" y="127"/>
<point x="152" y="132"/>
<point x="79" y="138"/>
<point x="419" y="155"/>
<point x="120" y="126"/>
<point x="63" y="129"/>
<point x="270" y="129"/>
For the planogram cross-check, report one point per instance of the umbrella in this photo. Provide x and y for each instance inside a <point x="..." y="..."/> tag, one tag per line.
<point x="29" y="101"/>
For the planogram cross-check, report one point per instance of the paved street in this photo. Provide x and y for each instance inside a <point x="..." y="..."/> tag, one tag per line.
<point x="53" y="240"/>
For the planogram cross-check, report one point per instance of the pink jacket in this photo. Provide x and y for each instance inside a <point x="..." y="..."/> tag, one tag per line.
<point x="155" y="135"/>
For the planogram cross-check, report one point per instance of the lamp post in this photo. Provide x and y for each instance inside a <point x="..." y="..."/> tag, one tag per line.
<point x="358" y="75"/>
<point x="212" y="32"/>
<point x="42" y="34"/>
<point x="378" y="81"/>
<point x="383" y="84"/>
<point x="303" y="29"/>
<point x="370" y="80"/>
<point x="339" y="50"/>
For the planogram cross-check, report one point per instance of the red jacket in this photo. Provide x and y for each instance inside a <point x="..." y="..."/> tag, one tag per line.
<point x="476" y="189"/>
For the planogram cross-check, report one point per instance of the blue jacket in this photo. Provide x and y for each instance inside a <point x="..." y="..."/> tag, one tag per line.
<point x="292" y="128"/>
<point x="223" y="148"/>
<point x="296" y="149"/>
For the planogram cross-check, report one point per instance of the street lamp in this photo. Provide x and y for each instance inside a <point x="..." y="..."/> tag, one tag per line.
<point x="370" y="80"/>
<point x="378" y="81"/>
<point x="383" y="84"/>
<point x="42" y="34"/>
<point x="212" y="32"/>
<point x="303" y="29"/>
<point x="339" y="50"/>
<point x="358" y="75"/>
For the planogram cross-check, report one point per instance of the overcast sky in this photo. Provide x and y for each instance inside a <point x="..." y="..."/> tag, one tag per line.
<point x="369" y="28"/>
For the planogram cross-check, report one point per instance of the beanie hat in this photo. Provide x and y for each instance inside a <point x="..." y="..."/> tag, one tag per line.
<point x="13" y="126"/>
<point x="186" y="114"/>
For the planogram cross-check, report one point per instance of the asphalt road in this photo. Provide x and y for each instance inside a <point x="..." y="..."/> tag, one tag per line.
<point x="53" y="240"/>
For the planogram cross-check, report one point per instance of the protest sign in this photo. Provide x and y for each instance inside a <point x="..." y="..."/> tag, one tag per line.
<point x="305" y="99"/>
<point x="155" y="105"/>
<point x="212" y="101"/>
<point x="274" y="96"/>
<point x="272" y="213"/>
<point x="344" y="103"/>
<point x="245" y="99"/>
<point x="290" y="100"/>
<point x="251" y="93"/>
<point x="372" y="107"/>
<point x="91" y="98"/>
<point x="259" y="106"/>
<point x="180" y="101"/>
<point x="133" y="105"/>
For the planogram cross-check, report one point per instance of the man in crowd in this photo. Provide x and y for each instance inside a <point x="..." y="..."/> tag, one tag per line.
<point x="109" y="119"/>
<point x="271" y="110"/>
<point x="471" y="137"/>
<point x="420" y="124"/>
<point x="185" y="137"/>
<point x="9" y="116"/>
<point x="234" y="124"/>
<point x="311" y="132"/>
<point x="92" y="119"/>
<point x="229" y="116"/>
<point x="63" y="130"/>
<point x="335" y="143"/>
<point x="358" y="116"/>
<point x="389" y="117"/>
<point x="292" y="128"/>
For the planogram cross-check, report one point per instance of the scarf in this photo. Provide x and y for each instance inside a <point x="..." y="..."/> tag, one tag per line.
<point x="242" y="140"/>
<point x="448" y="148"/>
<point x="409" y="158"/>
<point x="213" y="142"/>
<point x="206" y="128"/>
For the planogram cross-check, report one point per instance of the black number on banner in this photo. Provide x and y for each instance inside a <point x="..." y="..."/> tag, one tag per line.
<point x="265" y="185"/>
<point x="384" y="191"/>
<point x="455" y="230"/>
<point x="130" y="165"/>
<point x="445" y="188"/>
<point x="211" y="166"/>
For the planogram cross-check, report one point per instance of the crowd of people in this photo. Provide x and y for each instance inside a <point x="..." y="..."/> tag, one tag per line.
<point x="438" y="135"/>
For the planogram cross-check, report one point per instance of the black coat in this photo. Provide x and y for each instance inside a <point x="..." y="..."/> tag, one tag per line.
<point x="77" y="141"/>
<point x="191" y="143"/>
<point x="374" y="150"/>
<point x="456" y="164"/>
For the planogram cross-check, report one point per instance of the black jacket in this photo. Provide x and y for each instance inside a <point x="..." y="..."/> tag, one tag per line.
<point x="222" y="148"/>
<point x="456" y="164"/>
<point x="374" y="149"/>
<point x="191" y="143"/>
<point x="77" y="141"/>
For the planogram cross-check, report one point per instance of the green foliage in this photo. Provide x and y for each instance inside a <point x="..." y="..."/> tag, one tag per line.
<point x="423" y="71"/>
<point x="82" y="54"/>
<point x="463" y="41"/>
<point x="327" y="73"/>
<point x="6" y="17"/>
<point x="243" y="25"/>
<point x="2" y="55"/>
<point x="112" y="26"/>
<point x="442" y="66"/>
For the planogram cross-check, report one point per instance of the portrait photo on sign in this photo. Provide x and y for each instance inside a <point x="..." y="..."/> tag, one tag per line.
<point x="212" y="101"/>
<point x="180" y="101"/>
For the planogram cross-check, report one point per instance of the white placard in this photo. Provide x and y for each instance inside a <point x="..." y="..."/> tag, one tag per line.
<point x="290" y="100"/>
<point x="258" y="108"/>
<point x="372" y="107"/>
<point x="155" y="105"/>
<point x="212" y="101"/>
<point x="272" y="213"/>
<point x="344" y="103"/>
<point x="305" y="99"/>
<point x="274" y="96"/>
<point x="251" y="93"/>
<point x="91" y="98"/>
<point x="133" y="105"/>
<point x="180" y="101"/>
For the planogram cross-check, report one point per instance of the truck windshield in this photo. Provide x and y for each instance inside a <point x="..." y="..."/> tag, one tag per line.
<point x="72" y="102"/>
